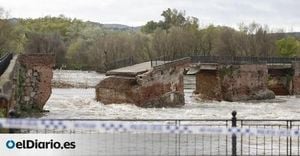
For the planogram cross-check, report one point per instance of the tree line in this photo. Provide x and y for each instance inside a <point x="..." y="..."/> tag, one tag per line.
<point x="91" y="46"/>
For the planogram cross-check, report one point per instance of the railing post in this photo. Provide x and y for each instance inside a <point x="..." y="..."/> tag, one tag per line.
<point x="290" y="127"/>
<point x="12" y="114"/>
<point x="132" y="60"/>
<point x="233" y="137"/>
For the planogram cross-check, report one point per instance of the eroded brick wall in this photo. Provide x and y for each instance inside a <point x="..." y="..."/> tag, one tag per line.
<point x="245" y="82"/>
<point x="34" y="80"/>
<point x="161" y="86"/>
<point x="234" y="83"/>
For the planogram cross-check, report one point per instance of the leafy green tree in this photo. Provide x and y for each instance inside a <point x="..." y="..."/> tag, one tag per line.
<point x="288" y="47"/>
<point x="172" y="18"/>
<point x="93" y="46"/>
<point x="8" y="36"/>
<point x="150" y="27"/>
<point x="208" y="40"/>
<point x="47" y="43"/>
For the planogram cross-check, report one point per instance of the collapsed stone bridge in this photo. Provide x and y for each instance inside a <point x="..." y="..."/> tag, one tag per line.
<point x="159" y="83"/>
<point x="25" y="83"/>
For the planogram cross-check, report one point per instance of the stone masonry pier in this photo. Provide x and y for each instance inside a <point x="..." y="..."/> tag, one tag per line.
<point x="145" y="86"/>
<point x="246" y="81"/>
<point x="233" y="82"/>
<point x="25" y="86"/>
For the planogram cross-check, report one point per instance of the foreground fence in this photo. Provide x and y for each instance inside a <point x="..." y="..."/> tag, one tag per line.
<point x="175" y="137"/>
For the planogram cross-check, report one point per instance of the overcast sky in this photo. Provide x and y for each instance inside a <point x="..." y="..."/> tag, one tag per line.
<point x="276" y="13"/>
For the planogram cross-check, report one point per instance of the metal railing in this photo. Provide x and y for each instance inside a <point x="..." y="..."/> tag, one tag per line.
<point x="206" y="59"/>
<point x="4" y="62"/>
<point x="120" y="63"/>
<point x="228" y="60"/>
<point x="243" y="60"/>
<point x="154" y="143"/>
<point x="161" y="60"/>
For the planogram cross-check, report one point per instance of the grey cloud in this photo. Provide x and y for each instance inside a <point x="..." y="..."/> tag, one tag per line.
<point x="275" y="13"/>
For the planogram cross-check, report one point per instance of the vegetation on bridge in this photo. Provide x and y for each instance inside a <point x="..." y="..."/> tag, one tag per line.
<point x="88" y="45"/>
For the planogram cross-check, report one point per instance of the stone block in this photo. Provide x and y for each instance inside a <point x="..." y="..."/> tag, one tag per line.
<point x="32" y="94"/>
<point x="35" y="74"/>
<point x="29" y="73"/>
<point x="26" y="98"/>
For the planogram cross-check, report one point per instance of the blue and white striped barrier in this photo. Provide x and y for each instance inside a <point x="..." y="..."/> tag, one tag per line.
<point x="139" y="126"/>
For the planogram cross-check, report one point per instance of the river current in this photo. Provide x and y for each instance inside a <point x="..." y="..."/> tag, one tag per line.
<point x="80" y="103"/>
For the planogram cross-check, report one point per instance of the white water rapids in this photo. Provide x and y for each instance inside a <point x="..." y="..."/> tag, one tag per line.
<point x="81" y="103"/>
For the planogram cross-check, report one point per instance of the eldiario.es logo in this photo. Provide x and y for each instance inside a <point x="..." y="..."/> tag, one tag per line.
<point x="36" y="144"/>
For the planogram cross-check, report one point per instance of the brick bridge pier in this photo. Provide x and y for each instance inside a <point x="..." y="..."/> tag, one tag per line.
<point x="25" y="84"/>
<point x="145" y="85"/>
<point x="246" y="78"/>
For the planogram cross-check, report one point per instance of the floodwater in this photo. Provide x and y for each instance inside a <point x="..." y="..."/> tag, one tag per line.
<point x="81" y="103"/>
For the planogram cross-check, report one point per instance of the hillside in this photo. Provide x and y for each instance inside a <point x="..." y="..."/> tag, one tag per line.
<point x="295" y="34"/>
<point x="120" y="27"/>
<point x="115" y="27"/>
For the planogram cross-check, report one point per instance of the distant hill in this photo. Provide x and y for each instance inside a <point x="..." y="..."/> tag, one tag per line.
<point x="295" y="34"/>
<point x="13" y="20"/>
<point x="286" y="34"/>
<point x="115" y="27"/>
<point x="120" y="27"/>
